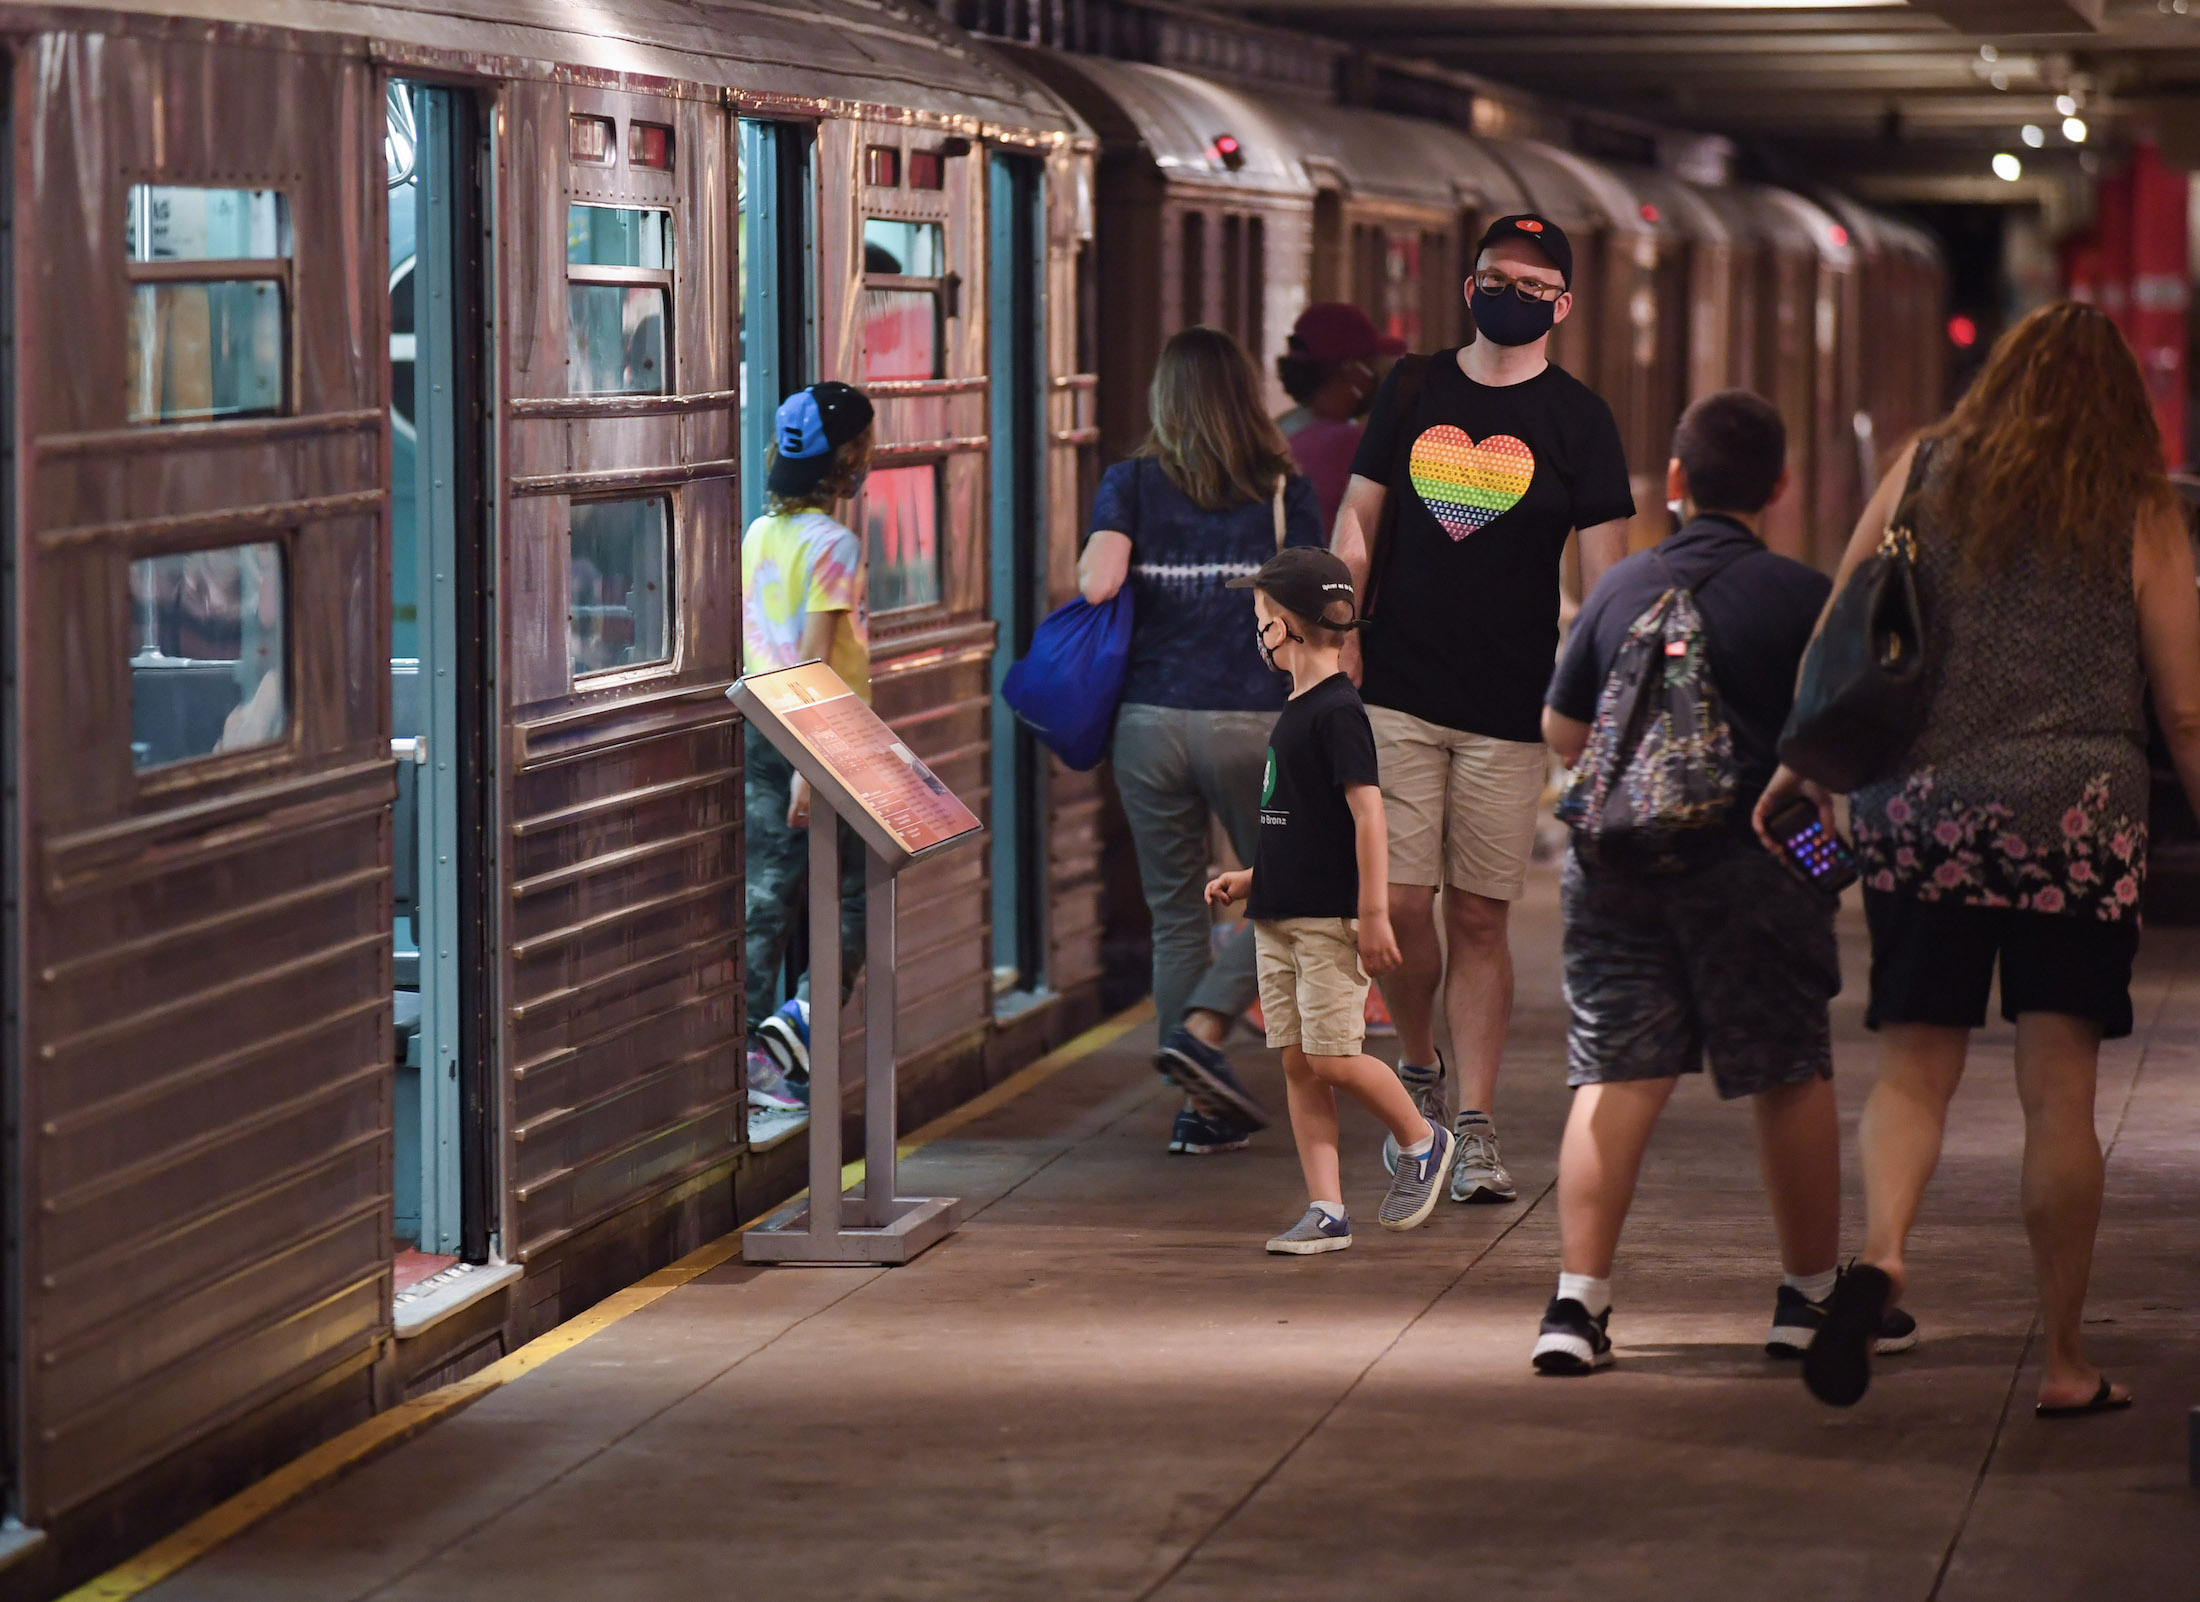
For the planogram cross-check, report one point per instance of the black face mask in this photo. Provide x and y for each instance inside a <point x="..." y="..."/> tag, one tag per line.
<point x="1505" y="319"/>
<point x="1260" y="639"/>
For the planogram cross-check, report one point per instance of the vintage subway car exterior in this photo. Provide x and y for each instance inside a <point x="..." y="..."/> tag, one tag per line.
<point x="383" y="410"/>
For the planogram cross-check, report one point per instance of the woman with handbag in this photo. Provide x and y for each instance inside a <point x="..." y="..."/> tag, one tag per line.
<point x="1210" y="496"/>
<point x="2055" y="586"/>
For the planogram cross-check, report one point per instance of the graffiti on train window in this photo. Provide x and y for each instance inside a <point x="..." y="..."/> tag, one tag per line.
<point x="619" y="599"/>
<point x="206" y="662"/>
<point x="901" y="529"/>
<point x="207" y="335"/>
<point x="903" y="264"/>
<point x="618" y="300"/>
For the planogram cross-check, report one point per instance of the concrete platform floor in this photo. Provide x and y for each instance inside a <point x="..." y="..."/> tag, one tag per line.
<point x="1102" y="1387"/>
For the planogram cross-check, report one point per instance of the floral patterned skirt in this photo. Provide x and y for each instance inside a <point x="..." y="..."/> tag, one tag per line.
<point x="1919" y="835"/>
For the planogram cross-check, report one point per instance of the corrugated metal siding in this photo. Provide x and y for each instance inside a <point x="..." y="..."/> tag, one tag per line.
<point x="207" y="1079"/>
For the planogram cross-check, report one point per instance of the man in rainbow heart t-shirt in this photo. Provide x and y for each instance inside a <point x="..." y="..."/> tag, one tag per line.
<point x="1486" y="458"/>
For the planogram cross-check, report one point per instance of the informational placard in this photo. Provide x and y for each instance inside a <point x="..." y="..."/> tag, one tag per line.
<point x="865" y="758"/>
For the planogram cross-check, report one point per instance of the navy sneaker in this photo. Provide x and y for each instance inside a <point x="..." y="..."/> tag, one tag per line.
<point x="1202" y="1073"/>
<point x="1197" y="1135"/>
<point x="1570" y="1341"/>
<point x="1796" y="1321"/>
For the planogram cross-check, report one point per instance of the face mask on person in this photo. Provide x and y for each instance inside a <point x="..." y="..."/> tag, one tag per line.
<point x="1267" y="653"/>
<point x="1505" y="319"/>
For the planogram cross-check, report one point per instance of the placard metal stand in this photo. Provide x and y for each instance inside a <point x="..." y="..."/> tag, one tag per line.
<point x="858" y="773"/>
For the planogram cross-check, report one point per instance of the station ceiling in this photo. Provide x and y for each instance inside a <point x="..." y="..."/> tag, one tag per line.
<point x="1908" y="101"/>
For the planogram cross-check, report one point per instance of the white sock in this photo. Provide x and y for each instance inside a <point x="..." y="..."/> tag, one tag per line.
<point x="1413" y="1075"/>
<point x="1815" y="1287"/>
<point x="1421" y="1147"/>
<point x="1468" y="1115"/>
<point x="1331" y="1209"/>
<point x="1594" y="1294"/>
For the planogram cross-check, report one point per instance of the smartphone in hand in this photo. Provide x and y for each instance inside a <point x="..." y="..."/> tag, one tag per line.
<point x="1809" y="848"/>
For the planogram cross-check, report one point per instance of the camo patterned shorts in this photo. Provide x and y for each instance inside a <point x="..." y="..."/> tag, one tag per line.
<point x="1736" y="959"/>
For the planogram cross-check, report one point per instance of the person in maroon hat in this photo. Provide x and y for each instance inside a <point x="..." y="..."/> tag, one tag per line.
<point x="1477" y="466"/>
<point x="1335" y="360"/>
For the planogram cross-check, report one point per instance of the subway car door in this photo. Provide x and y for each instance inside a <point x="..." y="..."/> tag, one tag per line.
<point x="440" y="717"/>
<point x="205" y="774"/>
<point x="1016" y="329"/>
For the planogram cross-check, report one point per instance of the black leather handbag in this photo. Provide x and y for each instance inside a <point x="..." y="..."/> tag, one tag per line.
<point x="1861" y="699"/>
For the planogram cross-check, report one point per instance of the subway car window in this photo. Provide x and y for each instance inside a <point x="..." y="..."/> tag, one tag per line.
<point x="618" y="299"/>
<point x="206" y="669"/>
<point x="904" y="249"/>
<point x="619" y="609"/>
<point x="901" y="526"/>
<point x="206" y="342"/>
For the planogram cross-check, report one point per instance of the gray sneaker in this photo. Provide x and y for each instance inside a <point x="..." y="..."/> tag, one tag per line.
<point x="1418" y="1182"/>
<point x="1429" y="1101"/>
<point x="1479" y="1174"/>
<point x="1316" y="1232"/>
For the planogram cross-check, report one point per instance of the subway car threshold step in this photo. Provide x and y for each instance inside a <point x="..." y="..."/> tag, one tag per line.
<point x="17" y="1542"/>
<point x="420" y="1307"/>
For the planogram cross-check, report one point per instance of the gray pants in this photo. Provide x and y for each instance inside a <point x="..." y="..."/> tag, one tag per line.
<point x="1174" y="769"/>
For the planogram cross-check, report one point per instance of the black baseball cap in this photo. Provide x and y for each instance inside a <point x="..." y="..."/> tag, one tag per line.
<point x="1540" y="232"/>
<point x="811" y="424"/>
<point x="1307" y="580"/>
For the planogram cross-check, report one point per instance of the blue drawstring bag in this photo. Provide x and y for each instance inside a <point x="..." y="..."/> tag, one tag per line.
<point x="1066" y="688"/>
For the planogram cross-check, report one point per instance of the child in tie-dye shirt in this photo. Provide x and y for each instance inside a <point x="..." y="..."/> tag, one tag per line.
<point x="803" y="598"/>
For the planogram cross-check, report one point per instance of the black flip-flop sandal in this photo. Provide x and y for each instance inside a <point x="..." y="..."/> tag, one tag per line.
<point x="1837" y="1367"/>
<point x="2105" y="1400"/>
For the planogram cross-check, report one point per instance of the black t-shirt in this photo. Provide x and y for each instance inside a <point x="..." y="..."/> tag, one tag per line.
<point x="1308" y="863"/>
<point x="1758" y="610"/>
<point x="1488" y="483"/>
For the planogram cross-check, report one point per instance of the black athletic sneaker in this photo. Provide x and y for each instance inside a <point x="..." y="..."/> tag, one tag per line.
<point x="1571" y="1342"/>
<point x="1796" y="1321"/>
<point x="1837" y="1368"/>
<point x="1197" y="1135"/>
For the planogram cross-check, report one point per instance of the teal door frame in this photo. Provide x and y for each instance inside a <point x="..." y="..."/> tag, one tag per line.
<point x="778" y="285"/>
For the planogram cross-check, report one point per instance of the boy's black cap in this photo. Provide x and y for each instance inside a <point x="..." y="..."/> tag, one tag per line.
<point x="813" y="423"/>
<point x="1307" y="580"/>
<point x="1540" y="232"/>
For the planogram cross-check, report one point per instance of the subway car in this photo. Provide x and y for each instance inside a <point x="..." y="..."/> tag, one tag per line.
<point x="383" y="411"/>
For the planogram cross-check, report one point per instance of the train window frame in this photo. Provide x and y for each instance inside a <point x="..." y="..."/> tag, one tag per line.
<point x="621" y="675"/>
<point x="594" y="275"/>
<point x="941" y="288"/>
<point x="902" y="615"/>
<point x="156" y="780"/>
<point x="146" y="274"/>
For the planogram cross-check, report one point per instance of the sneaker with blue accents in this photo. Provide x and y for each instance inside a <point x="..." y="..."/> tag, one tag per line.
<point x="1203" y="1073"/>
<point x="1316" y="1232"/>
<point x="1428" y="1096"/>
<point x="1418" y="1182"/>
<point x="1197" y="1135"/>
<point x="768" y="1087"/>
<point x="785" y="1038"/>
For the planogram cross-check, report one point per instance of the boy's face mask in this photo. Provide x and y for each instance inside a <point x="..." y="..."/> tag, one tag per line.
<point x="1267" y="651"/>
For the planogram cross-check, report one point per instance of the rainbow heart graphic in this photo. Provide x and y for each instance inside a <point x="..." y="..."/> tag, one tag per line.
<point x="1465" y="484"/>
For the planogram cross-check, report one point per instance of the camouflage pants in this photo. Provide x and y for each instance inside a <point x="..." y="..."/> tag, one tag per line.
<point x="778" y="870"/>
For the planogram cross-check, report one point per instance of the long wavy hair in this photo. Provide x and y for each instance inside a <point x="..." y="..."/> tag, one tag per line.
<point x="1211" y="434"/>
<point x="2054" y="447"/>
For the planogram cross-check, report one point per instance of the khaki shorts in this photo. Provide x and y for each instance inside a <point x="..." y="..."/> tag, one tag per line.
<point x="1313" y="991"/>
<point x="1461" y="807"/>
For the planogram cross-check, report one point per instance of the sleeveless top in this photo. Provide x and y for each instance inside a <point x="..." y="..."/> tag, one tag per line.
<point x="2028" y="786"/>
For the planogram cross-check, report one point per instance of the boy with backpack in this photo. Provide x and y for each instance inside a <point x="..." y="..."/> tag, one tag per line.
<point x="1683" y="935"/>
<point x="1318" y="897"/>
<point x="804" y="597"/>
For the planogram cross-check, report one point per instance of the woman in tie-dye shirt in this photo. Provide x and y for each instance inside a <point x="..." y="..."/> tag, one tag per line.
<point x="803" y="598"/>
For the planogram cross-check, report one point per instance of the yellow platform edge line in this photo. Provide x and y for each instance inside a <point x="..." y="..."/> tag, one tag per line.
<point x="369" y="1439"/>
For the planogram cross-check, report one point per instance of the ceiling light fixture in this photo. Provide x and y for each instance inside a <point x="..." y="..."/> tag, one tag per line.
<point x="2007" y="168"/>
<point x="2066" y="105"/>
<point x="1999" y="80"/>
<point x="2074" y="130"/>
<point x="2033" y="135"/>
<point x="1988" y="53"/>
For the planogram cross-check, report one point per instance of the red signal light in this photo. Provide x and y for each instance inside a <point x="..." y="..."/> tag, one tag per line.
<point x="1229" y="152"/>
<point x="1962" y="333"/>
<point x="1649" y="212"/>
<point x="1838" y="234"/>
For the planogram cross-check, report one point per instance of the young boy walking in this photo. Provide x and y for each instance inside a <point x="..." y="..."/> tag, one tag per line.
<point x="1318" y="894"/>
<point x="803" y="584"/>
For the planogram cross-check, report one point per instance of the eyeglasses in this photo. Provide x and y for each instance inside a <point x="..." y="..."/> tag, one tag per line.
<point x="1492" y="282"/>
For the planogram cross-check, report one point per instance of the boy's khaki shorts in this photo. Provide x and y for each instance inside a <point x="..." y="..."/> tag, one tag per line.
<point x="1313" y="991"/>
<point x="1461" y="807"/>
